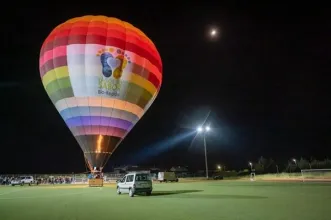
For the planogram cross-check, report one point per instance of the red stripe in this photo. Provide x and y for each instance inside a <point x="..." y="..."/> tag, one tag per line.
<point x="107" y="32"/>
<point x="102" y="40"/>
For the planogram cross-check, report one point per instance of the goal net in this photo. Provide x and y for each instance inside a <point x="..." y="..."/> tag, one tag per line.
<point x="316" y="175"/>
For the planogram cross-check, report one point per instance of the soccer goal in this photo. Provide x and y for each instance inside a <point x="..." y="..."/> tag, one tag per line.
<point x="316" y="175"/>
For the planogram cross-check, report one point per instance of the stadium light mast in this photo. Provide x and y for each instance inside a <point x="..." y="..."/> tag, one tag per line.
<point x="203" y="131"/>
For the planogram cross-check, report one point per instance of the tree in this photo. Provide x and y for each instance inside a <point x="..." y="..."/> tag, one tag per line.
<point x="314" y="164"/>
<point x="260" y="165"/>
<point x="262" y="161"/>
<point x="270" y="163"/>
<point x="258" y="168"/>
<point x="321" y="164"/>
<point x="303" y="164"/>
<point x="327" y="163"/>
<point x="290" y="167"/>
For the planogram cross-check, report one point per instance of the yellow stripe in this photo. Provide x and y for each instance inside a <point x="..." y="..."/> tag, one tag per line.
<point x="56" y="73"/>
<point x="142" y="82"/>
<point x="62" y="72"/>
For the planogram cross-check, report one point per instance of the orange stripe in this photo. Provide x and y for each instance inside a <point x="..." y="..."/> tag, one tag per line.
<point x="111" y="26"/>
<point x="104" y="19"/>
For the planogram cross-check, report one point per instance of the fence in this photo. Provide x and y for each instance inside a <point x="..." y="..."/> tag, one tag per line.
<point x="82" y="178"/>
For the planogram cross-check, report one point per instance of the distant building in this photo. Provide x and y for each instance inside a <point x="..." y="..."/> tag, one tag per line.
<point x="180" y="170"/>
<point x="132" y="168"/>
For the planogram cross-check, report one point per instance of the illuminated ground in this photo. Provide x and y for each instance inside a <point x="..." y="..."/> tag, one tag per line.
<point x="199" y="200"/>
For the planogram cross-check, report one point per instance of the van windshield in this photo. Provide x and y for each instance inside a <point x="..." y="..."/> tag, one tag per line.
<point x="142" y="177"/>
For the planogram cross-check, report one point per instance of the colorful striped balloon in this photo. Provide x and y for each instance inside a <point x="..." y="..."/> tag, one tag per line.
<point x="102" y="74"/>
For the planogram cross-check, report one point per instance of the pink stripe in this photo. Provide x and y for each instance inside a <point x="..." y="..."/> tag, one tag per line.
<point x="51" y="54"/>
<point x="62" y="51"/>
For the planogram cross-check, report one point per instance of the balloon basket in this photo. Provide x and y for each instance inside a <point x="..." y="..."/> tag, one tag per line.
<point x="95" y="182"/>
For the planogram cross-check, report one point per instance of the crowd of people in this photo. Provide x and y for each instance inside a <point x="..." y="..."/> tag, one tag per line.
<point x="60" y="179"/>
<point x="7" y="179"/>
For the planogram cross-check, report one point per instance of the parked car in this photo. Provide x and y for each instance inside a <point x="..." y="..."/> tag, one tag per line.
<point x="27" y="180"/>
<point x="135" y="183"/>
<point x="16" y="181"/>
<point x="167" y="177"/>
<point x="218" y="177"/>
<point x="22" y="180"/>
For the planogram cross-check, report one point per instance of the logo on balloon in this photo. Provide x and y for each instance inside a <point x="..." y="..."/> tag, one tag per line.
<point x="113" y="62"/>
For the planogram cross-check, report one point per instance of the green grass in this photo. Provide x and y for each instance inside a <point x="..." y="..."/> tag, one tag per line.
<point x="199" y="200"/>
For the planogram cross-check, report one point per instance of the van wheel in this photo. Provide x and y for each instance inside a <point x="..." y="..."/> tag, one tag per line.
<point x="118" y="191"/>
<point x="131" y="194"/>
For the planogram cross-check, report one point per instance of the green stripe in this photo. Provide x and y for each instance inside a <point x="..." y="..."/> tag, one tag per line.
<point x="57" y="84"/>
<point x="61" y="94"/>
<point x="61" y="88"/>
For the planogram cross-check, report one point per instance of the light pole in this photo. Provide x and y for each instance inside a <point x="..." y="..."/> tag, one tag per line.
<point x="204" y="130"/>
<point x="296" y="165"/>
<point x="250" y="164"/>
<point x="252" y="171"/>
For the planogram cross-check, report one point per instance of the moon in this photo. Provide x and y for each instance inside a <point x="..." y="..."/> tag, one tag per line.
<point x="213" y="32"/>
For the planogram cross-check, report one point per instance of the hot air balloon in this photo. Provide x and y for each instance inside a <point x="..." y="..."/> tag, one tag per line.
<point x="102" y="74"/>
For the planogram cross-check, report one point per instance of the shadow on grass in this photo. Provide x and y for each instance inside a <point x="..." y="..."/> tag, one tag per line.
<point x="194" y="194"/>
<point x="165" y="193"/>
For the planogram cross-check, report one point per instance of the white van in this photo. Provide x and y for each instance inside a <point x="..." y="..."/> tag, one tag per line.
<point x="27" y="180"/>
<point x="135" y="183"/>
<point x="167" y="177"/>
<point x="22" y="180"/>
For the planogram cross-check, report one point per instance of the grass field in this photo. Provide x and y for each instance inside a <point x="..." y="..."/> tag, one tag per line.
<point x="196" y="200"/>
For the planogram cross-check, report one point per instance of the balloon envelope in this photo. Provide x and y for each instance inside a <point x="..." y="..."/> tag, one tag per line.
<point x="102" y="74"/>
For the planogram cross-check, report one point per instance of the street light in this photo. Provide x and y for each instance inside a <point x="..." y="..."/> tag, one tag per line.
<point x="295" y="162"/>
<point x="252" y="171"/>
<point x="204" y="130"/>
<point x="219" y="167"/>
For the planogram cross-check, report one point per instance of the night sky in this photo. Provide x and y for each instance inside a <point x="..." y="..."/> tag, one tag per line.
<point x="265" y="81"/>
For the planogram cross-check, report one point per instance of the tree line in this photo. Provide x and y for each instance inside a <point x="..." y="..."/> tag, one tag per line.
<point x="263" y="165"/>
